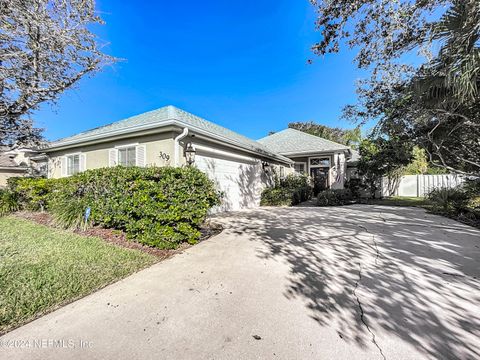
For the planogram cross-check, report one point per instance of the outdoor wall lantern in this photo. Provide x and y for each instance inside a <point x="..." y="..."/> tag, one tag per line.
<point x="265" y="165"/>
<point x="190" y="153"/>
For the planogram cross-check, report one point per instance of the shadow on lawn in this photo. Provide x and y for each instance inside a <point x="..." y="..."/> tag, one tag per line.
<point x="372" y="272"/>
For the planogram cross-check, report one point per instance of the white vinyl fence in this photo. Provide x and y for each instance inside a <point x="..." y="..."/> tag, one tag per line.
<point x="419" y="185"/>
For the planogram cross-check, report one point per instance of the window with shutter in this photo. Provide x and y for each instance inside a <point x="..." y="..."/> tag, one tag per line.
<point x="140" y="154"/>
<point x="112" y="157"/>
<point x="73" y="164"/>
<point x="127" y="156"/>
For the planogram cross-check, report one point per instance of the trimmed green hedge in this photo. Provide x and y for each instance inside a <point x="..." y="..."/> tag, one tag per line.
<point x="156" y="206"/>
<point x="290" y="191"/>
<point x="8" y="202"/>
<point x="32" y="193"/>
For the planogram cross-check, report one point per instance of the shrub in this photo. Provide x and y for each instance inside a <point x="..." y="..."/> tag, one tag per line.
<point x="294" y="181"/>
<point x="334" y="197"/>
<point x="32" y="193"/>
<point x="472" y="188"/>
<point x="449" y="199"/>
<point x="276" y="197"/>
<point x="291" y="190"/>
<point x="8" y="202"/>
<point x="355" y="186"/>
<point x="156" y="206"/>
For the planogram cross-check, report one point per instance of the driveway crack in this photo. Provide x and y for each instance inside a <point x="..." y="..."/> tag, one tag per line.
<point x="362" y="313"/>
<point x="375" y="245"/>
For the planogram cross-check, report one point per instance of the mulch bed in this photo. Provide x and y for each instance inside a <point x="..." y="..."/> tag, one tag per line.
<point x="118" y="237"/>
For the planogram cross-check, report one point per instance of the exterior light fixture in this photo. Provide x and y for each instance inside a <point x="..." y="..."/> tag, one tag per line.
<point x="190" y="153"/>
<point x="265" y="165"/>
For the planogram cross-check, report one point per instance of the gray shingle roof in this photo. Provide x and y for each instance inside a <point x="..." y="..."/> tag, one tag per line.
<point x="291" y="141"/>
<point x="165" y="116"/>
<point x="8" y="160"/>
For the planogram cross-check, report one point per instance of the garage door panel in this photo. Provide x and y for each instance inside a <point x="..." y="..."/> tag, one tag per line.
<point x="239" y="180"/>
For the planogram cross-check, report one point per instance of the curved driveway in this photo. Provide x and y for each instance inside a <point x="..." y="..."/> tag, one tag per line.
<point x="356" y="282"/>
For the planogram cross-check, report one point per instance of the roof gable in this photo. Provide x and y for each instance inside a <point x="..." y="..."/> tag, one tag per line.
<point x="292" y="141"/>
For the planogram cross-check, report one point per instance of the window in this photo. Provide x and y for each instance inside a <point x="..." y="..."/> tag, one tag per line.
<point x="282" y="172"/>
<point x="320" y="162"/>
<point x="73" y="164"/>
<point x="300" y="168"/>
<point x="127" y="156"/>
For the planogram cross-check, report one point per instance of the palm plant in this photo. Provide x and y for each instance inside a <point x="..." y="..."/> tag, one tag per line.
<point x="447" y="90"/>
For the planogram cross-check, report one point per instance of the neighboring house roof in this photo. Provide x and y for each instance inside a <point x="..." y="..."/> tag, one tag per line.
<point x="293" y="142"/>
<point x="168" y="115"/>
<point x="7" y="161"/>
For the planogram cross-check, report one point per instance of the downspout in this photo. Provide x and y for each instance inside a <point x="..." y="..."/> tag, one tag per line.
<point x="176" y="145"/>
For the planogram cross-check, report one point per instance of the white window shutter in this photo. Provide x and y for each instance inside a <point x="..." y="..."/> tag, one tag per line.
<point x="63" y="166"/>
<point x="140" y="152"/>
<point x="83" y="162"/>
<point x="112" y="157"/>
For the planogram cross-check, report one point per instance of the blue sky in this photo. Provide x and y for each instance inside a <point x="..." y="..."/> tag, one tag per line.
<point x="241" y="64"/>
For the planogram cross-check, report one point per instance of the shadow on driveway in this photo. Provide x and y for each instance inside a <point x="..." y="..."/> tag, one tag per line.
<point x="378" y="273"/>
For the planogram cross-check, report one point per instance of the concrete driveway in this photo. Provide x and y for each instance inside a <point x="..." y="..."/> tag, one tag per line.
<point x="357" y="282"/>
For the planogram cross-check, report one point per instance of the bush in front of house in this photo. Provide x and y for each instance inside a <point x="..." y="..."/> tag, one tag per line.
<point x="8" y="202"/>
<point x="335" y="197"/>
<point x="276" y="197"/>
<point x="159" y="207"/>
<point x="32" y="193"/>
<point x="291" y="190"/>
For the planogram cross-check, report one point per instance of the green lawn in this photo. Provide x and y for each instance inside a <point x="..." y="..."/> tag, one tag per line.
<point x="42" y="268"/>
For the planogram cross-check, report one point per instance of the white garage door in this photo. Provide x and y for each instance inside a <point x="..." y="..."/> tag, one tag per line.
<point x="239" y="180"/>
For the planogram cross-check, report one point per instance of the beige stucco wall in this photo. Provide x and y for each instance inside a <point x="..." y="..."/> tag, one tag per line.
<point x="5" y="174"/>
<point x="97" y="156"/>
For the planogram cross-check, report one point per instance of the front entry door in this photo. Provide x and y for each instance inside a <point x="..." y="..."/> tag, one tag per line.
<point x="320" y="179"/>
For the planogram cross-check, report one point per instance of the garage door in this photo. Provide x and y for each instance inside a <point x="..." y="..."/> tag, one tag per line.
<point x="239" y="180"/>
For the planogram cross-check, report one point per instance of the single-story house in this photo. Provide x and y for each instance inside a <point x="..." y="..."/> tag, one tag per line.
<point x="20" y="162"/>
<point x="241" y="167"/>
<point x="324" y="160"/>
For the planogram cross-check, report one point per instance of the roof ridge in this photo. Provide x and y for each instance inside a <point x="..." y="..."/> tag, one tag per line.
<point x="116" y="122"/>
<point x="316" y="136"/>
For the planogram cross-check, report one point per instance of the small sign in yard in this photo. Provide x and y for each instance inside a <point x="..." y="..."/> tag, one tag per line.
<point x="88" y="211"/>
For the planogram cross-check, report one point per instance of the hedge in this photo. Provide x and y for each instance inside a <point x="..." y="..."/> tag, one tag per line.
<point x="290" y="191"/>
<point x="335" y="197"/>
<point x="156" y="206"/>
<point x="32" y="193"/>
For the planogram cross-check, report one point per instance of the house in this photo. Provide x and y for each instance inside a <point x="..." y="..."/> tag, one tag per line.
<point x="20" y="162"/>
<point x="324" y="160"/>
<point x="241" y="167"/>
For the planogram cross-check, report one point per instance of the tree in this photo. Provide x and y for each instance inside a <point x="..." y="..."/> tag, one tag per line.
<point x="349" y="137"/>
<point x="419" y="163"/>
<point x="381" y="30"/>
<point x="46" y="47"/>
<point x="436" y="105"/>
<point x="381" y="157"/>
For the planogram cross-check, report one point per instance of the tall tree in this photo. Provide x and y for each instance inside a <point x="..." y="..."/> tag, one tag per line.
<point x="349" y="137"/>
<point x="46" y="47"/>
<point x="434" y="105"/>
<point x="381" y="157"/>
